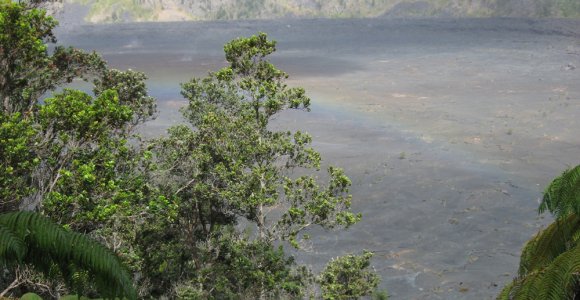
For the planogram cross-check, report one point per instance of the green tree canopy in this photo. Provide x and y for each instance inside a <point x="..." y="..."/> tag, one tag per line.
<point x="27" y="70"/>
<point x="348" y="277"/>
<point x="203" y="212"/>
<point x="229" y="172"/>
<point x="73" y="156"/>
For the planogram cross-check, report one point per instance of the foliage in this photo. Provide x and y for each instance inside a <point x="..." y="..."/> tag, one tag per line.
<point x="27" y="70"/>
<point x="230" y="171"/>
<point x="30" y="296"/>
<point x="132" y="92"/>
<point x="562" y="196"/>
<point x="93" y="173"/>
<point x="126" y="10"/>
<point x="29" y="238"/>
<point x="204" y="212"/>
<point x="81" y="154"/>
<point x="73" y="156"/>
<point x="139" y="11"/>
<point x="73" y="297"/>
<point x="245" y="269"/>
<point x="347" y="277"/>
<point x="18" y="160"/>
<point x="231" y="110"/>
<point x="550" y="262"/>
<point x="569" y="8"/>
<point x="33" y="296"/>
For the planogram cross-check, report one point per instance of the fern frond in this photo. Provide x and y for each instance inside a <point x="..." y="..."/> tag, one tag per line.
<point x="526" y="288"/>
<point x="12" y="248"/>
<point x="506" y="292"/>
<point x="559" y="280"/>
<point x="549" y="243"/>
<point x="562" y="196"/>
<point x="550" y="262"/>
<point x="48" y="244"/>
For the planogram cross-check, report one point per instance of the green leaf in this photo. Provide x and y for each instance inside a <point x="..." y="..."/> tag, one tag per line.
<point x="37" y="241"/>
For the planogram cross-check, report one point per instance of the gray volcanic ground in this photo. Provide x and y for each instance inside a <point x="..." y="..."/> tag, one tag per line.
<point x="450" y="129"/>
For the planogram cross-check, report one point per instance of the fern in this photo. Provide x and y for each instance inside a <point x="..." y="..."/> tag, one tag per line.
<point x="526" y="288"/>
<point x="11" y="247"/>
<point x="550" y="262"/>
<point x="562" y="196"/>
<point x="505" y="292"/>
<point x="30" y="238"/>
<point x="549" y="243"/>
<point x="559" y="280"/>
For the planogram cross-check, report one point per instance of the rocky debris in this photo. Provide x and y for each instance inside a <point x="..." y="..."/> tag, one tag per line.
<point x="569" y="67"/>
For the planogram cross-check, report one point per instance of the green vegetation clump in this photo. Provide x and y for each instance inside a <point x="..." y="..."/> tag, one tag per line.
<point x="569" y="8"/>
<point x="30" y="238"/>
<point x="205" y="211"/>
<point x="30" y="296"/>
<point x="127" y="10"/>
<point x="550" y="261"/>
<point x="111" y="11"/>
<point x="343" y="279"/>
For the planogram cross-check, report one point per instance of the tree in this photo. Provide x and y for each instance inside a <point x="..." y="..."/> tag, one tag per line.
<point x="347" y="277"/>
<point x="43" y="152"/>
<point x="237" y="267"/>
<point x="204" y="212"/>
<point x="92" y="176"/>
<point x="550" y="262"/>
<point x="231" y="110"/>
<point x="27" y="70"/>
<point x="229" y="171"/>
<point x="30" y="238"/>
<point x="74" y="157"/>
<point x="17" y="136"/>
